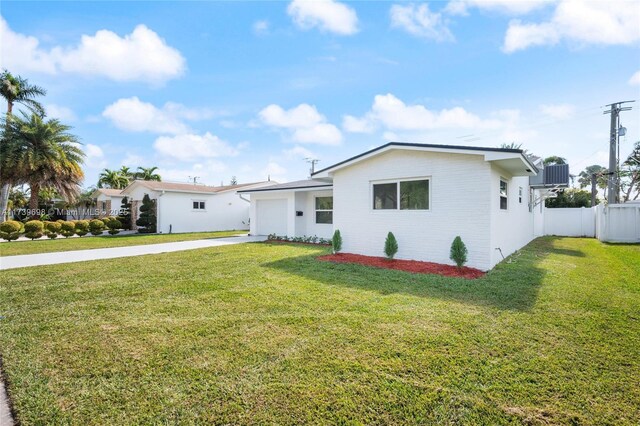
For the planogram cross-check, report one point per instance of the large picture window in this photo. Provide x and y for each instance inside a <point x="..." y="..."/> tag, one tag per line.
<point x="412" y="195"/>
<point x="324" y="209"/>
<point x="503" y="195"/>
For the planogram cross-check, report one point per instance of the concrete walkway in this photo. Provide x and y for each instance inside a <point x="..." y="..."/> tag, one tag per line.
<point x="55" y="258"/>
<point x="5" y="412"/>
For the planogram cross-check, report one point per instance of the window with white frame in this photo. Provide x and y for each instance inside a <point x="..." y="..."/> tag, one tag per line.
<point x="198" y="205"/>
<point x="503" y="195"/>
<point x="401" y="195"/>
<point x="324" y="209"/>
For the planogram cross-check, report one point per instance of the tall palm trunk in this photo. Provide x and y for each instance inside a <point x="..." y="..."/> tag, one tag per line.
<point x="33" y="198"/>
<point x="4" y="193"/>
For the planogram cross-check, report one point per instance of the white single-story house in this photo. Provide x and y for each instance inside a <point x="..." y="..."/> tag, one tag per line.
<point x="108" y="201"/>
<point x="425" y="194"/>
<point x="186" y="207"/>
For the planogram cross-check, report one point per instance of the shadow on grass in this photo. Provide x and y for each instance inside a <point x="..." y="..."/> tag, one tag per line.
<point x="511" y="285"/>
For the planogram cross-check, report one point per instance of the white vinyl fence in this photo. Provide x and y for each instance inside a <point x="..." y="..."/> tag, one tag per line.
<point x="618" y="223"/>
<point x="570" y="222"/>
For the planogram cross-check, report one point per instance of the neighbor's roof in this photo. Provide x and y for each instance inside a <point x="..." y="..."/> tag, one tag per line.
<point x="189" y="187"/>
<point x="431" y="147"/>
<point x="299" y="184"/>
<point x="106" y="191"/>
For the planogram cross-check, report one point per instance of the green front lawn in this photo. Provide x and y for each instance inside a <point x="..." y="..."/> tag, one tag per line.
<point x="66" y="244"/>
<point x="264" y="333"/>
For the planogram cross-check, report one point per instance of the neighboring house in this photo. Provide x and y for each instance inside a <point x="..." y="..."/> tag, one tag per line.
<point x="425" y="194"/>
<point x="108" y="201"/>
<point x="185" y="207"/>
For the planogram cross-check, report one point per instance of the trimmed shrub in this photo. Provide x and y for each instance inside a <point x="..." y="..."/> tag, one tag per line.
<point x="336" y="241"/>
<point x="82" y="228"/>
<point x="147" y="219"/>
<point x="125" y="213"/>
<point x="114" y="226"/>
<point x="68" y="228"/>
<point x="10" y="230"/>
<point x="34" y="229"/>
<point x="53" y="229"/>
<point x="458" y="252"/>
<point x="96" y="226"/>
<point x="390" y="245"/>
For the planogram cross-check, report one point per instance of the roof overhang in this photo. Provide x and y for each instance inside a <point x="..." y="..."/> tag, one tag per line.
<point x="511" y="160"/>
<point x="294" y="189"/>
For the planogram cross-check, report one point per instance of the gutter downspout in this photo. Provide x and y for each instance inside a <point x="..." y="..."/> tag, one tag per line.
<point x="158" y="224"/>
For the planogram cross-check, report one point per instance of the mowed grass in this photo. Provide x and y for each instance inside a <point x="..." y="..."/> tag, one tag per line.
<point x="266" y="334"/>
<point x="14" y="248"/>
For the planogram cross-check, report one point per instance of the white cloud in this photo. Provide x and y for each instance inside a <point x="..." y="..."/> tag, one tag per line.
<point x="394" y="114"/>
<point x="581" y="22"/>
<point x="419" y="21"/>
<point x="509" y="7"/>
<point x="261" y="27"/>
<point x="297" y="153"/>
<point x="94" y="156"/>
<point x="139" y="56"/>
<point x="635" y="79"/>
<point x="207" y="172"/>
<point x="134" y="115"/>
<point x="327" y="15"/>
<point x="304" y="122"/>
<point x="60" y="112"/>
<point x="134" y="160"/>
<point x="192" y="147"/>
<point x="558" y="111"/>
<point x="357" y="125"/>
<point x="275" y="171"/>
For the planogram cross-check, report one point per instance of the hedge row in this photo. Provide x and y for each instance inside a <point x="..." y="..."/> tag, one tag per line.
<point x="34" y="229"/>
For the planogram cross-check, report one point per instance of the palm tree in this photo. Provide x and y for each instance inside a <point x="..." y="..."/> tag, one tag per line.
<point x="15" y="89"/>
<point x="126" y="172"/>
<point x="553" y="160"/>
<point x="43" y="154"/>
<point x="112" y="179"/>
<point x="147" y="173"/>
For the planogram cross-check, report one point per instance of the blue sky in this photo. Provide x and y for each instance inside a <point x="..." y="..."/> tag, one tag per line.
<point x="250" y="89"/>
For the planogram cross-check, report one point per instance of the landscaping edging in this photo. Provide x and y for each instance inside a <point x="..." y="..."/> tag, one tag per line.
<point x="413" y="266"/>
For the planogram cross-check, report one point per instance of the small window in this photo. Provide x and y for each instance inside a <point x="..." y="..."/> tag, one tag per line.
<point x="385" y="196"/>
<point x="520" y="195"/>
<point x="324" y="209"/>
<point x="503" y="195"/>
<point x="198" y="205"/>
<point x="414" y="195"/>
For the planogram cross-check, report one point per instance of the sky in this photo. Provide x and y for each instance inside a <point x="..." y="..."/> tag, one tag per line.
<point x="214" y="89"/>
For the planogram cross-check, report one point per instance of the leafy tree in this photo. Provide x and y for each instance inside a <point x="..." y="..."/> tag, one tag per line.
<point x="458" y="252"/>
<point x="125" y="213"/>
<point x="390" y="245"/>
<point x="584" y="178"/>
<point x="148" y="173"/>
<point x="630" y="174"/>
<point x="511" y="145"/>
<point x="16" y="90"/>
<point x="336" y="241"/>
<point x="233" y="181"/>
<point x="147" y="219"/>
<point x="553" y="160"/>
<point x="112" y="179"/>
<point x="43" y="154"/>
<point x="571" y="197"/>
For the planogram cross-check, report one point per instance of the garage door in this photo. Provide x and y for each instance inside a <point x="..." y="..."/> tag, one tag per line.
<point x="271" y="217"/>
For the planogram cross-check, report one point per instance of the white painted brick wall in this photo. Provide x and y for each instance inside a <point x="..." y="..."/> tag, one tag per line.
<point x="460" y="205"/>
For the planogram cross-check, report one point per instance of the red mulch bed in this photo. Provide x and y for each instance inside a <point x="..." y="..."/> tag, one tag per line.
<point x="413" y="266"/>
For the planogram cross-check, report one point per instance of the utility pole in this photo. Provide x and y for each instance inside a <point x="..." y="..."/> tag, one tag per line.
<point x="594" y="181"/>
<point x="612" y="181"/>
<point x="313" y="162"/>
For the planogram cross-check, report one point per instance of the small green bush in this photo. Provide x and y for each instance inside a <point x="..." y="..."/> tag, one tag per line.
<point x="458" y="252"/>
<point x="10" y="230"/>
<point x="114" y="226"/>
<point x="96" y="226"/>
<point x="53" y="229"/>
<point x="390" y="245"/>
<point x="82" y="227"/>
<point x="34" y="229"/>
<point x="68" y="228"/>
<point x="336" y="241"/>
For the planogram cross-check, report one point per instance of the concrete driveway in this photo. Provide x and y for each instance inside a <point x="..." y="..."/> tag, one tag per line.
<point x="55" y="258"/>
